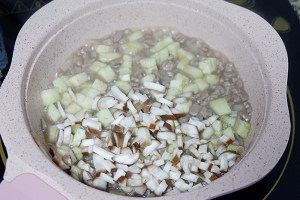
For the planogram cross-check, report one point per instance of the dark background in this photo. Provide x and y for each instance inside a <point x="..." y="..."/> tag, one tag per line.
<point x="284" y="180"/>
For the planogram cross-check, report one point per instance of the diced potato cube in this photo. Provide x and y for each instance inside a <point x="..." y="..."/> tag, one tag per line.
<point x="104" y="48"/>
<point x="191" y="88"/>
<point x="73" y="108"/>
<point x="135" y="36"/>
<point x="162" y="44"/>
<point x="183" y="54"/>
<point x="107" y="74"/>
<point x="173" y="49"/>
<point x="208" y="65"/>
<point x="53" y="113"/>
<point x="78" y="79"/>
<point x="100" y="86"/>
<point x="148" y="78"/>
<point x="84" y="101"/>
<point x="108" y="57"/>
<point x="52" y="133"/>
<point x="60" y="84"/>
<point x="124" y="86"/>
<point x="66" y="99"/>
<point x="148" y="62"/>
<point x="78" y="136"/>
<point x="50" y="96"/>
<point x="242" y="128"/>
<point x="207" y="133"/>
<point x="132" y="48"/>
<point x="105" y="117"/>
<point x="202" y="84"/>
<point x="220" y="106"/>
<point x="212" y="78"/>
<point x="229" y="133"/>
<point x="161" y="56"/>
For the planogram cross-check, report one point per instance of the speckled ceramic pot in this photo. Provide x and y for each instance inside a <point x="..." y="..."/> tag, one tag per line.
<point x="60" y="27"/>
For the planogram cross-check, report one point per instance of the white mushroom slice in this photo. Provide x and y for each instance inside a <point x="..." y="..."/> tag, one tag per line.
<point x="100" y="183"/>
<point x="194" y="151"/>
<point x="87" y="150"/>
<point x="126" y="150"/>
<point x="167" y="167"/>
<point x="71" y="93"/>
<point x="179" y="100"/>
<point x="86" y="176"/>
<point x="60" y="138"/>
<point x="147" y="119"/>
<point x="159" y="162"/>
<point x="190" y="142"/>
<point x="162" y="145"/>
<point x="121" y="166"/>
<point x="114" y="149"/>
<point x="161" y="188"/>
<point x="141" y="98"/>
<point x="155" y="155"/>
<point x="95" y="103"/>
<point x="210" y="120"/>
<point x="118" y="94"/>
<point x="107" y="178"/>
<point x="98" y="163"/>
<point x="140" y="189"/>
<point x="186" y="161"/>
<point x="157" y="94"/>
<point x="91" y="124"/>
<point x="229" y="155"/>
<point x="134" y="169"/>
<point x="87" y="142"/>
<point x="118" y="120"/>
<point x="102" y="152"/>
<point x="107" y="102"/>
<point x="158" y="172"/>
<point x="67" y="137"/>
<point x="148" y="162"/>
<point x="63" y="125"/>
<point x="215" y="169"/>
<point x="194" y="167"/>
<point x="205" y="166"/>
<point x="165" y="101"/>
<point x="127" y="159"/>
<point x="118" y="174"/>
<point x="203" y="148"/>
<point x="61" y="110"/>
<point x="190" y="177"/>
<point x="146" y="175"/>
<point x="172" y="191"/>
<point x="128" y="122"/>
<point x="195" y="121"/>
<point x="231" y="163"/>
<point x="209" y="177"/>
<point x="207" y="156"/>
<point x="125" y="77"/>
<point x="131" y="107"/>
<point x="158" y="111"/>
<point x="189" y="130"/>
<point x="126" y="138"/>
<point x="156" y="104"/>
<point x="175" y="111"/>
<point x="154" y="86"/>
<point x="166" y="156"/>
<point x="152" y="184"/>
<point x="84" y="166"/>
<point x="149" y="149"/>
<point x="119" y="106"/>
<point x="179" y="140"/>
<point x="166" y="108"/>
<point x="72" y="118"/>
<point x="182" y="186"/>
<point x="143" y="136"/>
<point x="135" y="180"/>
<point x="220" y="150"/>
<point x="166" y="136"/>
<point x="226" y="140"/>
<point x="174" y="173"/>
<point x="118" y="113"/>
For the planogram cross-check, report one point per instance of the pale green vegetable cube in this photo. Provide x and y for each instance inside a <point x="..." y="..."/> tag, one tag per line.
<point x="228" y="120"/>
<point x="148" y="62"/>
<point x="60" y="84"/>
<point x="76" y="171"/>
<point x="127" y="61"/>
<point x="96" y="66"/>
<point x="220" y="106"/>
<point x="135" y="36"/>
<point x="105" y="117"/>
<point x="75" y="127"/>
<point x="182" y="64"/>
<point x="208" y="65"/>
<point x="52" y="133"/>
<point x="104" y="49"/>
<point x="53" y="113"/>
<point x="161" y="56"/>
<point x="91" y="92"/>
<point x="73" y="108"/>
<point x="176" y="84"/>
<point x="148" y="78"/>
<point x="172" y="147"/>
<point x="80" y="114"/>
<point x="78" y="79"/>
<point x="50" y="96"/>
<point x="172" y="93"/>
<point x="108" y="57"/>
<point x="193" y="71"/>
<point x="78" y="153"/>
<point x="229" y="133"/>
<point x="212" y="78"/>
<point x="185" y="80"/>
<point x="63" y="150"/>
<point x="132" y="48"/>
<point x="66" y="99"/>
<point x="236" y="148"/>
<point x="84" y="101"/>
<point x="78" y="136"/>
<point x="242" y="128"/>
<point x="202" y="84"/>
<point x="100" y="86"/>
<point x="125" y="70"/>
<point x="85" y="85"/>
<point x="191" y="88"/>
<point x="183" y="54"/>
<point x="217" y="126"/>
<point x="124" y="86"/>
<point x="186" y="106"/>
<point x="162" y="44"/>
<point x="107" y="74"/>
<point x="207" y="133"/>
<point x="173" y="49"/>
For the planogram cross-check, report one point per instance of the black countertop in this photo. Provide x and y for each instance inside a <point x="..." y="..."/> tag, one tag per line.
<point x="283" y="181"/>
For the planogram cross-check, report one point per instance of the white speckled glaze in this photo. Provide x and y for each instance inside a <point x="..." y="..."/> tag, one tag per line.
<point x="60" y="27"/>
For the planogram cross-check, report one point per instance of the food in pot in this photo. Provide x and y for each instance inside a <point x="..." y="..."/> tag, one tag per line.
<point x="146" y="113"/>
